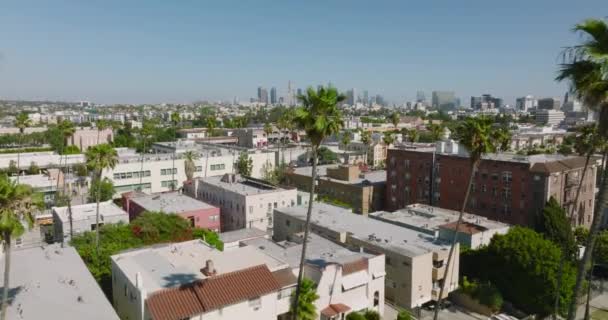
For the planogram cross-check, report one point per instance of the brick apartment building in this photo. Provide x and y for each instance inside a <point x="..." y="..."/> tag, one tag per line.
<point x="506" y="187"/>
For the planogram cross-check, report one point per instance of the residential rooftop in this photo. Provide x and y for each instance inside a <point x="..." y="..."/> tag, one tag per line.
<point x="53" y="282"/>
<point x="241" y="185"/>
<point x="37" y="181"/>
<point x="319" y="251"/>
<point x="175" y="264"/>
<point x="242" y="235"/>
<point x="170" y="202"/>
<point x="371" y="176"/>
<point x="429" y="219"/>
<point x="392" y="237"/>
<point x="84" y="211"/>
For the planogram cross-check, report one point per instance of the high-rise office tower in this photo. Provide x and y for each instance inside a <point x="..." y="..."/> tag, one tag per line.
<point x="420" y="96"/>
<point x="273" y="95"/>
<point x="260" y="94"/>
<point x="549" y="103"/>
<point x="485" y="101"/>
<point x="444" y="100"/>
<point x="365" y="97"/>
<point x="525" y="103"/>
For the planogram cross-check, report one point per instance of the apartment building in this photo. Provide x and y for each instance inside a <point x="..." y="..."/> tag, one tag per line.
<point x="414" y="261"/>
<point x="549" y="117"/>
<point x="83" y="138"/>
<point x="52" y="282"/>
<point x="251" y="137"/>
<point x="244" y="202"/>
<point x="363" y="191"/>
<point x="198" y="213"/>
<point x="535" y="137"/>
<point x="41" y="183"/>
<point x="474" y="231"/>
<point x="192" y="280"/>
<point x="84" y="218"/>
<point x="193" y="133"/>
<point x="347" y="281"/>
<point x="506" y="187"/>
<point x="376" y="152"/>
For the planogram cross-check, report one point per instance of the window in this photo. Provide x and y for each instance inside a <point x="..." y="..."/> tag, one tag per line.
<point x="198" y="169"/>
<point x="168" y="183"/>
<point x="406" y="163"/>
<point x="507" y="177"/>
<point x="483" y="188"/>
<point x="215" y="167"/>
<point x="250" y="209"/>
<point x="495" y="176"/>
<point x="255" y="303"/>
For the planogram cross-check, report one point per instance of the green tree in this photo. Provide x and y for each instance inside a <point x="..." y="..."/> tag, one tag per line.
<point x="404" y="315"/>
<point x="22" y="121"/>
<point x="210" y="237"/>
<point x="99" y="158"/>
<point x="319" y="117"/>
<point x="585" y="68"/>
<point x="413" y="135"/>
<point x="190" y="158"/>
<point x="371" y="315"/>
<point x="388" y="138"/>
<point x="175" y="120"/>
<point x="244" y="164"/>
<point x="345" y="140"/>
<point x="101" y="125"/>
<point x="479" y="137"/>
<point x="326" y="156"/>
<point x="395" y="119"/>
<point x="33" y="169"/>
<point x="355" y="316"/>
<point x="554" y="225"/>
<point x="17" y="202"/>
<point x="211" y="124"/>
<point x="105" y="188"/>
<point x="12" y="168"/>
<point x="366" y="139"/>
<point x="303" y="307"/>
<point x="72" y="149"/>
<point x="436" y="131"/>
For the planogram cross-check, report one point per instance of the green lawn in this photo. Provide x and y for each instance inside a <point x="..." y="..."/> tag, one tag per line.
<point x="599" y="315"/>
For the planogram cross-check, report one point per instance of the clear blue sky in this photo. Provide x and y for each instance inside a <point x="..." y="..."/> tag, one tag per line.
<point x="115" y="51"/>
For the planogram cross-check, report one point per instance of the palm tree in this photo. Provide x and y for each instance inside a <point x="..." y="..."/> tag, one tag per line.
<point x="101" y="125"/>
<point x="436" y="131"/>
<point x="345" y="141"/>
<point x="388" y="138"/>
<point x="306" y="302"/>
<point x="67" y="129"/>
<point x="479" y="137"/>
<point x="16" y="204"/>
<point x="585" y="68"/>
<point x="175" y="119"/>
<point x="189" y="163"/>
<point x="285" y="122"/>
<point x="413" y="135"/>
<point x="395" y="119"/>
<point x="146" y="131"/>
<point x="211" y="125"/>
<point x="99" y="158"/>
<point x="319" y="117"/>
<point x="22" y="121"/>
<point x="366" y="138"/>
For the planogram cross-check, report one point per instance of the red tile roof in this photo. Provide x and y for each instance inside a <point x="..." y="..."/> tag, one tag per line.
<point x="285" y="277"/>
<point x="352" y="267"/>
<point x="335" y="309"/>
<point x="211" y="293"/>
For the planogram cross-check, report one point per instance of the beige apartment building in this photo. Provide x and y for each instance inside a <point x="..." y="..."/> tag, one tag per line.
<point x="414" y="261"/>
<point x="363" y="191"/>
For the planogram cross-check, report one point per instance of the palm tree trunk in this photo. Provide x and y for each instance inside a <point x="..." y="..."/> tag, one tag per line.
<point x="306" y="231"/>
<point x="97" y="197"/>
<point x="141" y="169"/>
<point x="593" y="232"/>
<point x="587" y="304"/>
<point x="562" y="260"/>
<point x="19" y="156"/>
<point x="454" y="238"/>
<point x="7" y="273"/>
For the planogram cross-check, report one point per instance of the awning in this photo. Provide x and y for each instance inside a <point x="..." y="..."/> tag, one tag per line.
<point x="335" y="309"/>
<point x="378" y="274"/>
<point x="354" y="280"/>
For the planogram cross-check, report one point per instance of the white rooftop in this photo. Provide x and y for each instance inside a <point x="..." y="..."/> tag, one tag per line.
<point x="37" y="181"/>
<point x="42" y="159"/>
<point x="170" y="202"/>
<point x="54" y="283"/>
<point x="241" y="185"/>
<point x="170" y="265"/>
<point x="399" y="239"/>
<point x="84" y="211"/>
<point x="429" y="219"/>
<point x="242" y="235"/>
<point x="319" y="251"/>
<point x="371" y="176"/>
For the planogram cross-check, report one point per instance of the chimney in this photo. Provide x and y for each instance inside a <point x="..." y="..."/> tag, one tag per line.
<point x="209" y="269"/>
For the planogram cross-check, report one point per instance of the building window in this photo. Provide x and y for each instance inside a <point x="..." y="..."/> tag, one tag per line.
<point x="215" y="167"/>
<point x="198" y="169"/>
<point x="255" y="303"/>
<point x="507" y="177"/>
<point x="168" y="183"/>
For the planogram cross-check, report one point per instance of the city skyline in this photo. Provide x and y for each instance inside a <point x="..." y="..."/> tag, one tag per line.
<point x="138" y="52"/>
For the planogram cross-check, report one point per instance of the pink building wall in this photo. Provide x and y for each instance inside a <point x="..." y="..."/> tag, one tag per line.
<point x="85" y="138"/>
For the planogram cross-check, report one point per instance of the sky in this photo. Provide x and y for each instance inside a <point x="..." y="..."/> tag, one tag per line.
<point x="127" y="51"/>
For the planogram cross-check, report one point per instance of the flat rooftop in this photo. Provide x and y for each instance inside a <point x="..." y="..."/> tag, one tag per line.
<point x="84" y="211"/>
<point x="371" y="176"/>
<point x="37" y="181"/>
<point x="319" y="251"/>
<point x="390" y="236"/>
<point x="429" y="219"/>
<point x="242" y="235"/>
<point x="170" y="202"/>
<point x="171" y="265"/>
<point x="53" y="283"/>
<point x="241" y="185"/>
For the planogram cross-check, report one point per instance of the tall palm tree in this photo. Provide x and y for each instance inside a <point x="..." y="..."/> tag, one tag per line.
<point x="285" y="122"/>
<point x="17" y="202"/>
<point x="366" y="138"/>
<point x="190" y="158"/>
<point x="22" y="121"/>
<point x="395" y="119"/>
<point x="436" y="131"/>
<point x="585" y="68"/>
<point x="211" y="123"/>
<point x="101" y="125"/>
<point x="146" y="131"/>
<point x="413" y="135"/>
<point x="319" y="117"/>
<point x="67" y="129"/>
<point x="345" y="141"/>
<point x="388" y="138"/>
<point x="479" y="137"/>
<point x="99" y="158"/>
<point x="175" y="119"/>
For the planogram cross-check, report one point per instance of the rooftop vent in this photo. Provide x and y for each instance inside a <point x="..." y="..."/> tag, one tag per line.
<point x="209" y="269"/>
